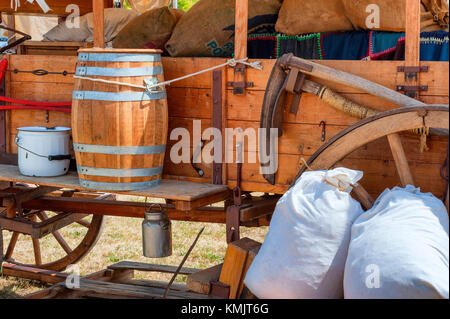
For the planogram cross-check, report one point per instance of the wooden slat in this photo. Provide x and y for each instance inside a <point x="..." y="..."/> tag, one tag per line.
<point x="47" y="276"/>
<point x="168" y="189"/>
<point x="34" y="62"/>
<point x="378" y="174"/>
<point x="234" y="264"/>
<point x="386" y="74"/>
<point x="412" y="33"/>
<point x="58" y="7"/>
<point x="151" y="268"/>
<point x="436" y="78"/>
<point x="201" y="281"/>
<point x="99" y="23"/>
<point x="95" y="288"/>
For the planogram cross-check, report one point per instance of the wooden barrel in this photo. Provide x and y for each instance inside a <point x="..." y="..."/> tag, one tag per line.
<point x="119" y="132"/>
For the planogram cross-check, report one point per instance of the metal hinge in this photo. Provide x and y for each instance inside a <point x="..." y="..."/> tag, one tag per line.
<point x="411" y="72"/>
<point x="412" y="90"/>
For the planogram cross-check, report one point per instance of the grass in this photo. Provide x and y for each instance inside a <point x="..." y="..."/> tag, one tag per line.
<point x="121" y="240"/>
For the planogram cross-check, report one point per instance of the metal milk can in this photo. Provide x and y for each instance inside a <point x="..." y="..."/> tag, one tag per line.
<point x="156" y="233"/>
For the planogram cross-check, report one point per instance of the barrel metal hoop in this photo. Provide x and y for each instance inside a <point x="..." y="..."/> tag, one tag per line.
<point x="119" y="186"/>
<point x="119" y="150"/>
<point x="118" y="57"/>
<point x="113" y="172"/>
<point x="119" y="72"/>
<point x="118" y="97"/>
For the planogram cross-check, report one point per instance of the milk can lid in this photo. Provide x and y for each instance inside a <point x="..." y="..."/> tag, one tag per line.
<point x="44" y="129"/>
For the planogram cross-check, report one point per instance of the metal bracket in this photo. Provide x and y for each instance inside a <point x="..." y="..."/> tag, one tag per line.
<point x="241" y="85"/>
<point x="217" y="120"/>
<point x="411" y="72"/>
<point x="412" y="90"/>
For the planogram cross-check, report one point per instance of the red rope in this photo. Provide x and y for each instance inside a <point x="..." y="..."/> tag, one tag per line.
<point x="3" y="66"/>
<point x="32" y="107"/>
<point x="33" y="103"/>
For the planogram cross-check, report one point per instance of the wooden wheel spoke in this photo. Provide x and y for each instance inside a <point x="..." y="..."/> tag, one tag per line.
<point x="401" y="162"/>
<point x="84" y="223"/>
<point x="37" y="251"/>
<point x="59" y="238"/>
<point x="11" y="245"/>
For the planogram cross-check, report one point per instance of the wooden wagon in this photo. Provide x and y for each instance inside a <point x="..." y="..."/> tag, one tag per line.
<point x="230" y="97"/>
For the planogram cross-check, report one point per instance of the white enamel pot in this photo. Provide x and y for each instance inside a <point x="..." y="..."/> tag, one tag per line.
<point x="43" y="151"/>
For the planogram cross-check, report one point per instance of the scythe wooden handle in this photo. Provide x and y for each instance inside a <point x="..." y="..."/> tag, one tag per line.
<point x="353" y="81"/>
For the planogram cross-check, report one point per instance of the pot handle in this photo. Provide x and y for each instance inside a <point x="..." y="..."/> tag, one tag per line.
<point x="49" y="157"/>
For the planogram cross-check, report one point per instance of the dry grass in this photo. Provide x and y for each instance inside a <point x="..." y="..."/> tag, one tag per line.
<point x="121" y="240"/>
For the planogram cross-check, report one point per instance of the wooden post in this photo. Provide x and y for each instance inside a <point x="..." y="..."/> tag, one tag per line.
<point x="99" y="23"/>
<point x="240" y="43"/>
<point x="412" y="42"/>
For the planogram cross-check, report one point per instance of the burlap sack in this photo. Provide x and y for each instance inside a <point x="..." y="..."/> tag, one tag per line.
<point x="438" y="9"/>
<point x="392" y="14"/>
<point x="305" y="16"/>
<point x="115" y="20"/>
<point x="145" y="5"/>
<point x="207" y="29"/>
<point x="151" y="30"/>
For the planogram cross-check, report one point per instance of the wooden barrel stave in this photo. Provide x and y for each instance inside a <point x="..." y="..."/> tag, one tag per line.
<point x="129" y="126"/>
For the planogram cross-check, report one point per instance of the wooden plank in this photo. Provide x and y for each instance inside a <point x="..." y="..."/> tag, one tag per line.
<point x="201" y="281"/>
<point x="28" y="194"/>
<point x="39" y="230"/>
<point x="312" y="110"/>
<point x="252" y="252"/>
<point x="99" y="23"/>
<point x="412" y="33"/>
<point x="58" y="7"/>
<point x="177" y="67"/>
<point x="35" y="62"/>
<point x="258" y="209"/>
<point x="94" y="287"/>
<point x="240" y="42"/>
<point x="234" y="264"/>
<point x="378" y="174"/>
<point x="152" y="268"/>
<point x="47" y="276"/>
<point x="123" y="209"/>
<point x="436" y="78"/>
<point x="219" y="197"/>
<point x="168" y="189"/>
<point x="386" y="74"/>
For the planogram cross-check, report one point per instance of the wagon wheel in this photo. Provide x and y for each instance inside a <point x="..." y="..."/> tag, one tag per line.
<point x="72" y="255"/>
<point x="368" y="130"/>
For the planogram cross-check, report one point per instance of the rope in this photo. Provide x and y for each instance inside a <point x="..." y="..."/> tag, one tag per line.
<point x="424" y="132"/>
<point x="233" y="62"/>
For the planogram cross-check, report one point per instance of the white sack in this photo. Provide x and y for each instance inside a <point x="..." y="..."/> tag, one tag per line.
<point x="399" y="248"/>
<point x="303" y="255"/>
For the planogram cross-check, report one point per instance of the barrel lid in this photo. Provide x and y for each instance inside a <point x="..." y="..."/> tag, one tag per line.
<point x="43" y="129"/>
